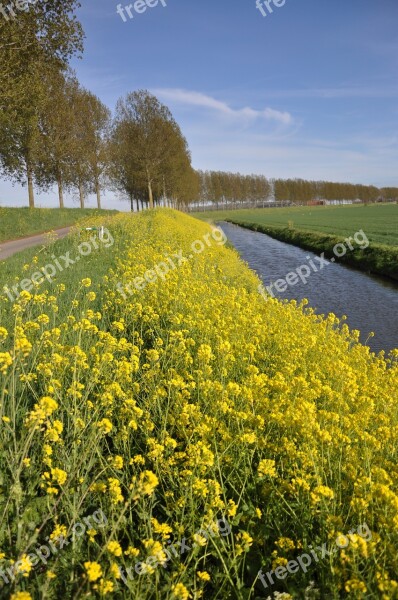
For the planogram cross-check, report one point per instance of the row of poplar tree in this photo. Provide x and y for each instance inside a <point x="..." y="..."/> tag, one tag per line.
<point x="55" y="132"/>
<point x="301" y="191"/>
<point x="219" y="186"/>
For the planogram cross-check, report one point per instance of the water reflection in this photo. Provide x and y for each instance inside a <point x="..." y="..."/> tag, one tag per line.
<point x="370" y="303"/>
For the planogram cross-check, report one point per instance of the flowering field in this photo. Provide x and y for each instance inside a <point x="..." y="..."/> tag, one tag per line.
<point x="166" y="436"/>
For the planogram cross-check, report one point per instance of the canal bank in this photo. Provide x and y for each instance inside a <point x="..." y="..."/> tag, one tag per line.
<point x="374" y="258"/>
<point x="369" y="302"/>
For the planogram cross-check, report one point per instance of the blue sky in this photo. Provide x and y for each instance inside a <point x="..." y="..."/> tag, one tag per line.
<point x="308" y="91"/>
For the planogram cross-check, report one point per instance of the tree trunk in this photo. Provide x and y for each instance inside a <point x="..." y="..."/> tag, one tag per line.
<point x="164" y="192"/>
<point x="60" y="191"/>
<point x="30" y="186"/>
<point x="98" y="192"/>
<point x="138" y="205"/>
<point x="150" y="194"/>
<point x="81" y="194"/>
<point x="132" y="202"/>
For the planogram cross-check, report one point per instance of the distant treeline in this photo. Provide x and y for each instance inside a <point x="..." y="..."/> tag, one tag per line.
<point x="54" y="132"/>
<point x="219" y="186"/>
<point x="216" y="186"/>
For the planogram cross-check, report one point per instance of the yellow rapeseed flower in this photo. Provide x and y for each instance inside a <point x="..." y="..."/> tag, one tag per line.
<point x="180" y="592"/>
<point x="144" y="485"/>
<point x="21" y="596"/>
<point x="25" y="566"/>
<point x="266" y="468"/>
<point x="114" y="548"/>
<point x="93" y="570"/>
<point x="105" y="426"/>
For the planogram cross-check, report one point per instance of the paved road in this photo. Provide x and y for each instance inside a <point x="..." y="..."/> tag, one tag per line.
<point x="7" y="249"/>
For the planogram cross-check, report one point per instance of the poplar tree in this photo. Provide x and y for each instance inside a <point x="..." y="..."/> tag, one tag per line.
<point x="57" y="144"/>
<point x="37" y="40"/>
<point x="95" y="120"/>
<point x="152" y="132"/>
<point x="122" y="168"/>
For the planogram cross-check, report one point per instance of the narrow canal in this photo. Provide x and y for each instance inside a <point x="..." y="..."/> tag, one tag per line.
<point x="370" y="303"/>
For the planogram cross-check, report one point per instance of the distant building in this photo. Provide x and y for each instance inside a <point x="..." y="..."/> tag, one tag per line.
<point x="328" y="202"/>
<point x="316" y="203"/>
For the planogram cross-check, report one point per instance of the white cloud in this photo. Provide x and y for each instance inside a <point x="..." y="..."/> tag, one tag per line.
<point x="192" y="98"/>
<point x="374" y="91"/>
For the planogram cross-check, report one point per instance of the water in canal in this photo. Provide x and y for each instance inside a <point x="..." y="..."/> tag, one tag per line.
<point x="370" y="303"/>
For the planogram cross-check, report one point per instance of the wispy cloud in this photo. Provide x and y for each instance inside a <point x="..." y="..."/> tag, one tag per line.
<point x="193" y="98"/>
<point x="375" y="91"/>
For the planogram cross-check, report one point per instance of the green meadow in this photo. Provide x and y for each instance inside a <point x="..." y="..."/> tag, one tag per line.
<point x="21" y="222"/>
<point x="378" y="221"/>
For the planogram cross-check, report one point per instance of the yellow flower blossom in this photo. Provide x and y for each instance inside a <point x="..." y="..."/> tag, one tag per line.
<point x="180" y="592"/>
<point x="115" y="490"/>
<point x="117" y="462"/>
<point x="131" y="552"/>
<point x="161" y="528"/>
<point x="104" y="587"/>
<point x="50" y="575"/>
<point x="321" y="492"/>
<point x="5" y="362"/>
<point x="93" y="570"/>
<point x="114" y="571"/>
<point x="91" y="534"/>
<point x="105" y="426"/>
<point x="199" y="540"/>
<point x="59" y="531"/>
<point x="266" y="468"/>
<point x="114" y="548"/>
<point x="145" y="484"/>
<point x="24" y="565"/>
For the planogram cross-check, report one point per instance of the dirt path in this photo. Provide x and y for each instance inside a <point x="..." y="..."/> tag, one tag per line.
<point x="7" y="249"/>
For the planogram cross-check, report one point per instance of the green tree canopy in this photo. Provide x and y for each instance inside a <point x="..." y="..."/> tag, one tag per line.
<point x="39" y="40"/>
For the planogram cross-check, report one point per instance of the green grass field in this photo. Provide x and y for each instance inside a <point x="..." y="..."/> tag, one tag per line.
<point x="378" y="221"/>
<point x="20" y="222"/>
<point x="22" y="265"/>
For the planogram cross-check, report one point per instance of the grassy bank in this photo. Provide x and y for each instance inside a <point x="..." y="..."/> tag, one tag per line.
<point x="377" y="259"/>
<point x="22" y="222"/>
<point x="159" y="390"/>
<point x="378" y="221"/>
